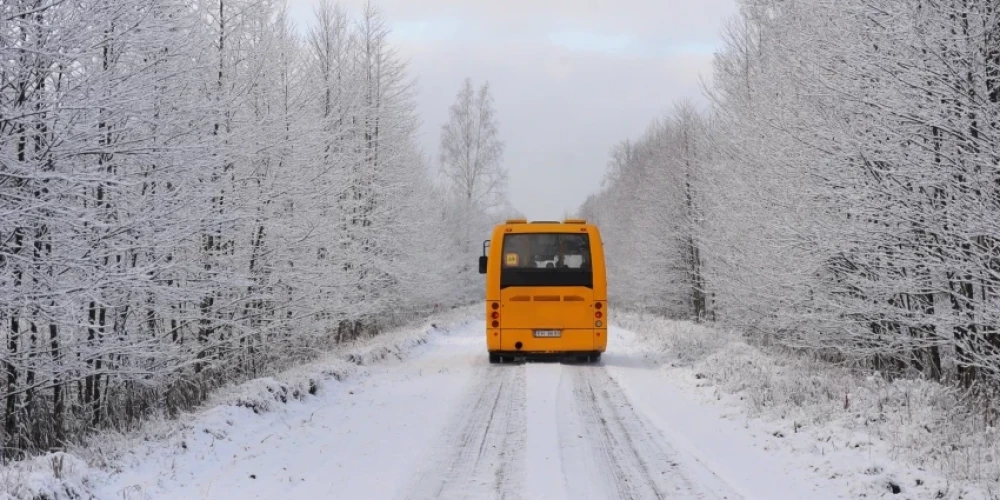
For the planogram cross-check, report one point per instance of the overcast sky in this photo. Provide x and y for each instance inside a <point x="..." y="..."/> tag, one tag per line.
<point x="570" y="77"/>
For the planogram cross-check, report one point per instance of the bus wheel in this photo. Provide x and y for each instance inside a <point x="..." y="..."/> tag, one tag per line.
<point x="595" y="358"/>
<point x="495" y="358"/>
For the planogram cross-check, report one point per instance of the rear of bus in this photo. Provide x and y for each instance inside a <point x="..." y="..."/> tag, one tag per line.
<point x="546" y="290"/>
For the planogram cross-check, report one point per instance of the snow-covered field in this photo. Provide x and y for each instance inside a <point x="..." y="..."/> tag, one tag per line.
<point x="435" y="420"/>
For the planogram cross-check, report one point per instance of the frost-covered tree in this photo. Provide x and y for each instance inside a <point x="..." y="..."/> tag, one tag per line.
<point x="193" y="194"/>
<point x="845" y="186"/>
<point x="471" y="156"/>
<point x="651" y="205"/>
<point x="471" y="149"/>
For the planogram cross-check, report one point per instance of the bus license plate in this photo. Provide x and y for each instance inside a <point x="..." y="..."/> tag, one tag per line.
<point x="548" y="333"/>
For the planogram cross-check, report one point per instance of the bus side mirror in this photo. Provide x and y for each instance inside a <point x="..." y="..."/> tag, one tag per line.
<point x="482" y="258"/>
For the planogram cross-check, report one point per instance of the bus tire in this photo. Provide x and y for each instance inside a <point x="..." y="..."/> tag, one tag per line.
<point x="595" y="358"/>
<point x="495" y="358"/>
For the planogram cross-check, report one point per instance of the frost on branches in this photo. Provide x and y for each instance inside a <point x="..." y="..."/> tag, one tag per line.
<point x="475" y="182"/>
<point x="191" y="194"/>
<point x="841" y="194"/>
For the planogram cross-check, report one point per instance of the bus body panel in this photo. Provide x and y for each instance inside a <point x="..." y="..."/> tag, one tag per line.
<point x="571" y="341"/>
<point x="547" y="307"/>
<point x="524" y="309"/>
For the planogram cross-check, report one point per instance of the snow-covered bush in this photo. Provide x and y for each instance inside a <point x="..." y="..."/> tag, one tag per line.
<point x="71" y="475"/>
<point x="928" y="424"/>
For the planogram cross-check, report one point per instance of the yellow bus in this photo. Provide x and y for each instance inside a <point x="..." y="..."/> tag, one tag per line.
<point x="546" y="290"/>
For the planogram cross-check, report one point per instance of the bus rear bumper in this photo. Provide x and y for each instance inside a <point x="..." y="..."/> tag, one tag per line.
<point x="569" y="341"/>
<point x="537" y="356"/>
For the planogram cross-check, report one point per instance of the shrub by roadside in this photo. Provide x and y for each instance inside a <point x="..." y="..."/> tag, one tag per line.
<point x="71" y="474"/>
<point x="952" y="451"/>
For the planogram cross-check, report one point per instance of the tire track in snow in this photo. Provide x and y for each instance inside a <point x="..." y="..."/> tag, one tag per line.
<point x="481" y="454"/>
<point x="631" y="454"/>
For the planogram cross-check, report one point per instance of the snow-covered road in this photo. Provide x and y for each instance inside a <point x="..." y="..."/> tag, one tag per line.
<point x="446" y="424"/>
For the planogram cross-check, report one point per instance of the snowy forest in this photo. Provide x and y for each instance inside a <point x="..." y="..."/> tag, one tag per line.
<point x="840" y="194"/>
<point x="197" y="193"/>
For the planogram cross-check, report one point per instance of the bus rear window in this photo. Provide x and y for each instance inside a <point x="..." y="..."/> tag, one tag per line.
<point x="546" y="259"/>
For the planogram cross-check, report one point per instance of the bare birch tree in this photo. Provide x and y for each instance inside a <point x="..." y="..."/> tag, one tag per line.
<point x="471" y="156"/>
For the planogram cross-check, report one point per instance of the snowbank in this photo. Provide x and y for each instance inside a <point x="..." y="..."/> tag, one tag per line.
<point x="73" y="475"/>
<point x="916" y="439"/>
<point x="52" y="476"/>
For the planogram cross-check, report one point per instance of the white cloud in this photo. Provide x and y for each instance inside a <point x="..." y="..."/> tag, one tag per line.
<point x="569" y="81"/>
<point x="590" y="42"/>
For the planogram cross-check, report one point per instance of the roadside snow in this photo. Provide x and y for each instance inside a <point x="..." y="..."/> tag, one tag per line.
<point x="337" y="444"/>
<point x="675" y="410"/>
<point x="156" y="458"/>
<point x="894" y="440"/>
<point x="53" y="476"/>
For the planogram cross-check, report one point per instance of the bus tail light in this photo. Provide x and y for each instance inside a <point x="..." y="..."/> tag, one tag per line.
<point x="598" y="315"/>
<point x="495" y="314"/>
